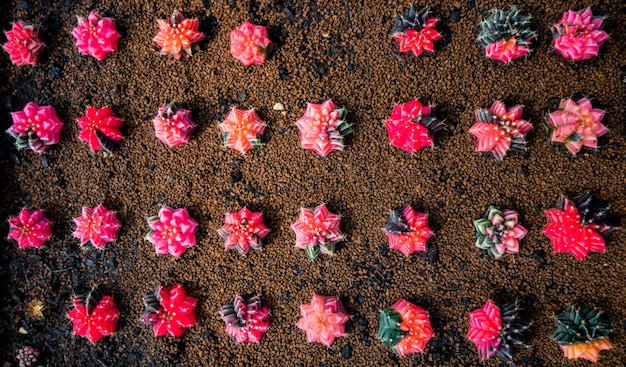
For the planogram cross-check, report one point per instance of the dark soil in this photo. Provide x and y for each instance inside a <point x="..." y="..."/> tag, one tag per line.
<point x="326" y="49"/>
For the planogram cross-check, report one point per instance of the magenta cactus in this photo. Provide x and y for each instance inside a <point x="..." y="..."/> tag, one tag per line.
<point x="323" y="319"/>
<point x="173" y="126"/>
<point x="169" y="311"/>
<point x="247" y="319"/>
<point x="578" y="35"/>
<point x="23" y="44"/>
<point x="323" y="127"/>
<point x="576" y="124"/>
<point x="96" y="36"/>
<point x="98" y="225"/>
<point x="172" y="231"/>
<point x="36" y="127"/>
<point x="100" y="128"/>
<point x="317" y="231"/>
<point x="412" y="126"/>
<point x="31" y="228"/>
<point x="243" y="230"/>
<point x="242" y="130"/>
<point x="94" y="315"/>
<point x="250" y="43"/>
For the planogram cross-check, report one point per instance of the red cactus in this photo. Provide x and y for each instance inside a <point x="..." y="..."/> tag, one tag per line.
<point x="407" y="230"/>
<point x="98" y="225"/>
<point x="578" y="35"/>
<point x="415" y="31"/>
<point x="243" y="230"/>
<point x="411" y="126"/>
<point x="173" y="126"/>
<point x="36" y="127"/>
<point x="177" y="34"/>
<point x="31" y="228"/>
<point x="323" y="319"/>
<point x="23" y="44"/>
<point x="405" y="328"/>
<point x="172" y="231"/>
<point x="247" y="319"/>
<point x="96" y="36"/>
<point x="317" y="231"/>
<point x="577" y="124"/>
<point x="498" y="130"/>
<point x="249" y="43"/>
<point x="169" y="311"/>
<point x="242" y="130"/>
<point x="94" y="315"/>
<point x="100" y="128"/>
<point x="323" y="127"/>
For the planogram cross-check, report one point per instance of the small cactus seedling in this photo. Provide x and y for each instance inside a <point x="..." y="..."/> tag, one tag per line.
<point x="498" y="130"/>
<point x="576" y="124"/>
<point x="98" y="225"/>
<point x="169" y="311"/>
<point x="412" y="125"/>
<point x="499" y="232"/>
<point x="415" y="31"/>
<point x="247" y="319"/>
<point x="578" y="35"/>
<point x="497" y="330"/>
<point x="177" y="34"/>
<point x="242" y="130"/>
<point x="172" y="231"/>
<point x="407" y="230"/>
<point x="317" y="231"/>
<point x="250" y="43"/>
<point x="578" y="226"/>
<point x="323" y="319"/>
<point x="100" y="128"/>
<point x="243" y="230"/>
<point x="582" y="333"/>
<point x="31" y="228"/>
<point x="27" y="356"/>
<point x="506" y="35"/>
<point x="405" y="328"/>
<point x="173" y="126"/>
<point x="94" y="315"/>
<point x="96" y="36"/>
<point x="36" y="127"/>
<point x="23" y="44"/>
<point x="323" y="127"/>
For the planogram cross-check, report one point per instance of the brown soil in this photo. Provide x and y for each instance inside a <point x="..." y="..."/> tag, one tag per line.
<point x="326" y="49"/>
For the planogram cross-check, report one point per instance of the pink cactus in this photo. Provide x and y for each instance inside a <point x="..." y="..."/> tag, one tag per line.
<point x="578" y="35"/>
<point x="98" y="225"/>
<point x="249" y="43"/>
<point x="411" y="126"/>
<point x="242" y="130"/>
<point x="484" y="329"/>
<point x="31" y="228"/>
<point x="577" y="124"/>
<point x="173" y="126"/>
<point x="407" y="230"/>
<point x="36" y="127"/>
<point x="96" y="36"/>
<point x="177" y="34"/>
<point x="498" y="130"/>
<point x="323" y="319"/>
<point x="100" y="128"/>
<point x="94" y="315"/>
<point x="317" y="231"/>
<point x="172" y="231"/>
<point x="323" y="127"/>
<point x="243" y="230"/>
<point x="170" y="311"/>
<point x="416" y="31"/>
<point x="23" y="44"/>
<point x="247" y="319"/>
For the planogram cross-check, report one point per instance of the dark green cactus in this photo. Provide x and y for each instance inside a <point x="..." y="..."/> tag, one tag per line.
<point x="580" y="325"/>
<point x="412" y="19"/>
<point x="505" y="24"/>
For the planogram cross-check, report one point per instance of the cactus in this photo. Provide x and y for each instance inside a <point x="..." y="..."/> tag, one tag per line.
<point x="98" y="225"/>
<point x="250" y="43"/>
<point x="405" y="328"/>
<point x="582" y="333"/>
<point x="506" y="35"/>
<point x="27" y="356"/>
<point x="407" y="230"/>
<point x="173" y="126"/>
<point x="177" y="35"/>
<point x="323" y="319"/>
<point x="317" y="231"/>
<point x="247" y="319"/>
<point x="243" y="230"/>
<point x="94" y="315"/>
<point x="24" y="45"/>
<point x="578" y="35"/>
<point x="172" y="231"/>
<point x="36" y="127"/>
<point x="96" y="36"/>
<point x="499" y="232"/>
<point x="100" y="128"/>
<point x="576" y="124"/>
<point x="412" y="125"/>
<point x="416" y="31"/>
<point x="31" y="228"/>
<point x="242" y="130"/>
<point x="169" y="311"/>
<point x="323" y="127"/>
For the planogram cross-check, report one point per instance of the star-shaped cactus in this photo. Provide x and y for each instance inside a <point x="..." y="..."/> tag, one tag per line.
<point x="172" y="125"/>
<point x="96" y="36"/>
<point x="24" y="45"/>
<point x="407" y="230"/>
<point x="94" y="315"/>
<point x="405" y="328"/>
<point x="577" y="124"/>
<point x="323" y="127"/>
<point x="98" y="225"/>
<point x="242" y="130"/>
<point x="243" y="230"/>
<point x="172" y="231"/>
<point x="412" y="126"/>
<point x="31" y="228"/>
<point x="247" y="319"/>
<point x="36" y="127"/>
<point x="169" y="311"/>
<point x="323" y="319"/>
<point x="317" y="231"/>
<point x="499" y="232"/>
<point x="177" y="35"/>
<point x="100" y="128"/>
<point x="250" y="43"/>
<point x="578" y="35"/>
<point x="416" y="31"/>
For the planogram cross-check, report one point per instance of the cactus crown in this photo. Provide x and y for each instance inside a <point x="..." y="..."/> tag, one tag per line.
<point x="411" y="19"/>
<point x="504" y="25"/>
<point x="580" y="325"/>
<point x="511" y="333"/>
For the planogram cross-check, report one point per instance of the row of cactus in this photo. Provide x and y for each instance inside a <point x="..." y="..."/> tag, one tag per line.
<point x="576" y="226"/>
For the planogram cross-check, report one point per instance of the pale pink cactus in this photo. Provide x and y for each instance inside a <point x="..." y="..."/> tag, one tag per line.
<point x="36" y="127"/>
<point x="98" y="225"/>
<point x="247" y="319"/>
<point x="31" y="228"/>
<point x="23" y="44"/>
<point x="317" y="231"/>
<point x="323" y="319"/>
<point x="172" y="231"/>
<point x="577" y="124"/>
<point x="323" y="127"/>
<point x="96" y="36"/>
<point x="249" y="43"/>
<point x="173" y="126"/>
<point x="242" y="130"/>
<point x="498" y="232"/>
<point x="243" y="230"/>
<point x="578" y="35"/>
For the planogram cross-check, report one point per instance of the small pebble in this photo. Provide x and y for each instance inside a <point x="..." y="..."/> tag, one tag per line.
<point x="21" y="330"/>
<point x="278" y="107"/>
